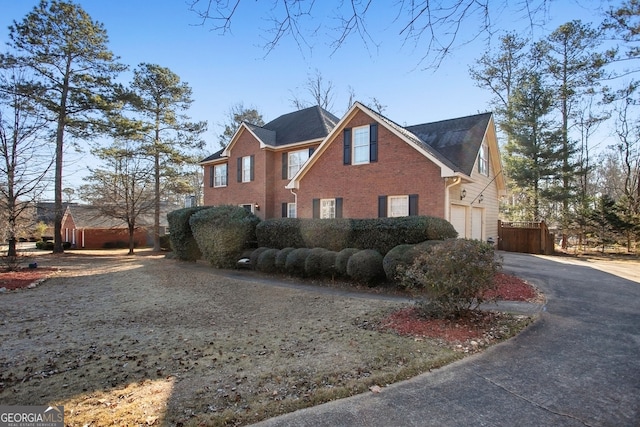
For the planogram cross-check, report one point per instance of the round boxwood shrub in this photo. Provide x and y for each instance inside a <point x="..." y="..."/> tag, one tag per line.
<point x="366" y="266"/>
<point x="342" y="258"/>
<point x="294" y="265"/>
<point x="266" y="262"/>
<point x="401" y="257"/>
<point x="328" y="264"/>
<point x="313" y="263"/>
<point x="281" y="258"/>
<point x="253" y="258"/>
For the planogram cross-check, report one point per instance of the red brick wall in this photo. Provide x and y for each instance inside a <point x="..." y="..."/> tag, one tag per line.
<point x="400" y="170"/>
<point x="268" y="188"/>
<point x="236" y="193"/>
<point x="95" y="238"/>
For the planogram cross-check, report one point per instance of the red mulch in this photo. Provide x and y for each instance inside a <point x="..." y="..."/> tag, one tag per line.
<point x="479" y="326"/>
<point x="23" y="277"/>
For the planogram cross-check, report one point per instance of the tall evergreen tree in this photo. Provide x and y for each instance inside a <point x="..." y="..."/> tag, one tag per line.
<point x="160" y="98"/>
<point x="533" y="147"/>
<point x="574" y="65"/>
<point x="73" y="69"/>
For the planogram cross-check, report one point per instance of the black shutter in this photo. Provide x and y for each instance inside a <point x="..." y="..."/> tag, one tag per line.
<point x="211" y="172"/>
<point x="373" y="142"/>
<point x="316" y="208"/>
<point x="285" y="210"/>
<point x="413" y="204"/>
<point x="347" y="147"/>
<point x="285" y="165"/>
<point x="251" y="162"/>
<point x="382" y="206"/>
<point x="239" y="169"/>
<point x="338" y="207"/>
<point x="311" y="151"/>
<point x="226" y="174"/>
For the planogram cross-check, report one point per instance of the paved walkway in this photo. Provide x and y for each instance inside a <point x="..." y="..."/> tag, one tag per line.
<point x="579" y="365"/>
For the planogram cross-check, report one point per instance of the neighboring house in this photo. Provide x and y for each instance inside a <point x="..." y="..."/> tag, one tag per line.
<point x="367" y="166"/>
<point x="258" y="162"/>
<point x="85" y="227"/>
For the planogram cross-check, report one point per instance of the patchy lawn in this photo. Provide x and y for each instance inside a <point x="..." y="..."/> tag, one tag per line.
<point x="146" y="340"/>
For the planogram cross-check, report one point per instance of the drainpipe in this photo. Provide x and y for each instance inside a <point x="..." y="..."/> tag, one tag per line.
<point x="447" y="198"/>
<point x="295" y="200"/>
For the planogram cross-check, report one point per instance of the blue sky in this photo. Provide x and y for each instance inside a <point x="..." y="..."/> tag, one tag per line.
<point x="224" y="70"/>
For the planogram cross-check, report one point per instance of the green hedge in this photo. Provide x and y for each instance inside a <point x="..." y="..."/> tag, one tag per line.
<point x="223" y="233"/>
<point x="181" y="238"/>
<point x="381" y="234"/>
<point x="366" y="267"/>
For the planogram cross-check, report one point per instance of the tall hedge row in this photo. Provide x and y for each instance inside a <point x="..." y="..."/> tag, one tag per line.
<point x="183" y="243"/>
<point x="223" y="233"/>
<point x="380" y="234"/>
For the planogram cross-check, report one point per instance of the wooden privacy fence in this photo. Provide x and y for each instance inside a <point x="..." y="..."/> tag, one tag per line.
<point x="524" y="236"/>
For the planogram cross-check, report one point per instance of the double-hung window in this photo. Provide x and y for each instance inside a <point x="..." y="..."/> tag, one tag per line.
<point x="295" y="161"/>
<point x="397" y="206"/>
<point x="327" y="208"/>
<point x="246" y="169"/>
<point x="220" y="175"/>
<point x="361" y="145"/>
<point x="483" y="160"/>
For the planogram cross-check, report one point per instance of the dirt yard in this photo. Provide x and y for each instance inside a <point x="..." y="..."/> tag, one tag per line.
<point x="146" y="340"/>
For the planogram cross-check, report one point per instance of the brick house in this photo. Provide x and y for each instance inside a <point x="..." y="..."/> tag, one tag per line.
<point x="85" y="227"/>
<point x="258" y="162"/>
<point x="368" y="166"/>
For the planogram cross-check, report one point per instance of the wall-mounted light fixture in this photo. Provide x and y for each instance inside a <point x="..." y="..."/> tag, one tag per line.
<point x="480" y="198"/>
<point x="257" y="206"/>
<point x="463" y="194"/>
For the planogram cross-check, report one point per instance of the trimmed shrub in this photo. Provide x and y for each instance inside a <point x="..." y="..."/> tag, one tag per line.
<point x="165" y="242"/>
<point x="313" y="263"/>
<point x="223" y="233"/>
<point x="366" y="266"/>
<point x="266" y="262"/>
<point x="453" y="276"/>
<point x="280" y="233"/>
<point x="401" y="257"/>
<point x="281" y="258"/>
<point x="255" y="254"/>
<point x="381" y="234"/>
<point x="181" y="238"/>
<point x="47" y="245"/>
<point x="328" y="264"/>
<point x="296" y="259"/>
<point x="342" y="258"/>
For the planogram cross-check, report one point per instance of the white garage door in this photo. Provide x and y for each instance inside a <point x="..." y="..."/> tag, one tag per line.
<point x="459" y="220"/>
<point x="476" y="223"/>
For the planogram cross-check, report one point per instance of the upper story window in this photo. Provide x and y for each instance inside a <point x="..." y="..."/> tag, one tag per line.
<point x="220" y="175"/>
<point x="295" y="160"/>
<point x="483" y="160"/>
<point x="361" y="145"/>
<point x="245" y="168"/>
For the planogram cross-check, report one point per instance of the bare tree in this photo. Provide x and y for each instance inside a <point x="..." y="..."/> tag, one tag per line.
<point x="435" y="28"/>
<point x="24" y="160"/>
<point x="320" y="90"/>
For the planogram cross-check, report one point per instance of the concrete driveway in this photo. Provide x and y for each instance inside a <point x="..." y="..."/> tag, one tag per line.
<point x="579" y="365"/>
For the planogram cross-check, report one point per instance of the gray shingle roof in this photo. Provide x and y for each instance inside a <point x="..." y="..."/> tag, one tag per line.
<point x="299" y="126"/>
<point x="458" y="140"/>
<point x="303" y="125"/>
